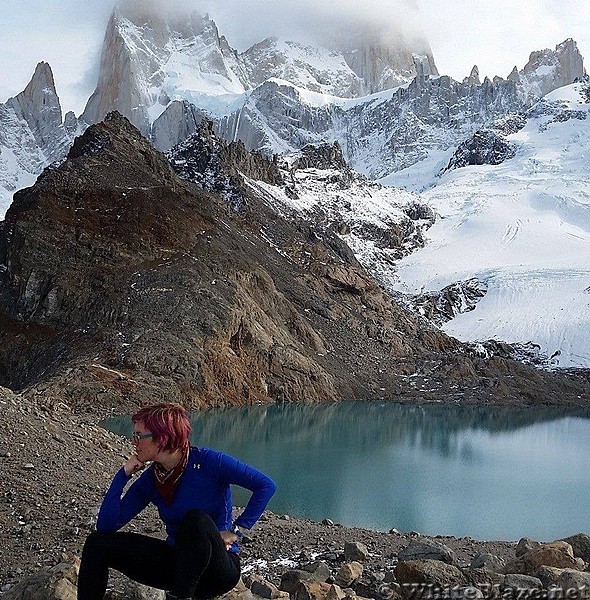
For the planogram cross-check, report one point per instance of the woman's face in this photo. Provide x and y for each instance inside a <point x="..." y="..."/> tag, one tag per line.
<point x="145" y="447"/>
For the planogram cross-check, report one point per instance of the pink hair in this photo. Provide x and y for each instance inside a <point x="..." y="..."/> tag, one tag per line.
<point x="168" y="422"/>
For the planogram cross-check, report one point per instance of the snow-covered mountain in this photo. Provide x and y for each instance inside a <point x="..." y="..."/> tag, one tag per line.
<point x="32" y="134"/>
<point x="150" y="60"/>
<point x="521" y="229"/>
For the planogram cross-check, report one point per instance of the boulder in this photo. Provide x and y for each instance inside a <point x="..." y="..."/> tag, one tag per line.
<point x="355" y="551"/>
<point x="335" y="593"/>
<point x="424" y="549"/>
<point x="488" y="561"/>
<point x="307" y="590"/>
<point x="571" y="579"/>
<point x="525" y="545"/>
<point x="57" y="583"/>
<point x="517" y="581"/>
<point x="426" y="573"/>
<point x="348" y="573"/>
<point x="319" y="570"/>
<point x="580" y="543"/>
<point x="292" y="578"/>
<point x="484" y="579"/>
<point x="555" y="554"/>
<point x="263" y="588"/>
<point x="549" y="576"/>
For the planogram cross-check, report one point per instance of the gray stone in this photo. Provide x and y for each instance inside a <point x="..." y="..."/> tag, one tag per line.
<point x="291" y="579"/>
<point x="263" y="588"/>
<point x="549" y="576"/>
<point x="355" y="551"/>
<point x="525" y="545"/>
<point x="421" y="549"/>
<point x="517" y="581"/>
<point x="572" y="579"/>
<point x="580" y="543"/>
<point x="320" y="571"/>
<point x="488" y="561"/>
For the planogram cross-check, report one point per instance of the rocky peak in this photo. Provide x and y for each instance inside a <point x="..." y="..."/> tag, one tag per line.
<point x="383" y="66"/>
<point x="473" y="78"/>
<point x="548" y="69"/>
<point x="38" y="105"/>
<point x="218" y="166"/>
<point x="321" y="156"/>
<point x="147" y="54"/>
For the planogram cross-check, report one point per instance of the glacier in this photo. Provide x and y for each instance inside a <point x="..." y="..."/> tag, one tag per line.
<point x="522" y="228"/>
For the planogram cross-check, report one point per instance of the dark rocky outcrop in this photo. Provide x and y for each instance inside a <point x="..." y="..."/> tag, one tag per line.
<point x="218" y="166"/>
<point x="454" y="299"/>
<point x="124" y="283"/>
<point x="484" y="148"/>
<point x="322" y="156"/>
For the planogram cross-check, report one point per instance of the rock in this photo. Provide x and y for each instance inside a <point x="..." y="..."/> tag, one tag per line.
<point x="555" y="554"/>
<point x="486" y="147"/>
<point x="429" y="572"/>
<point x="421" y="549"/>
<point x="319" y="570"/>
<point x="335" y="593"/>
<point x="580" y="543"/>
<point x="548" y="576"/>
<point x="484" y="578"/>
<point x="348" y="573"/>
<point x="263" y="588"/>
<point x="525" y="545"/>
<point x="56" y="583"/>
<point x="355" y="551"/>
<point x="517" y="581"/>
<point x="310" y="591"/>
<point x="488" y="561"/>
<point x="466" y="593"/>
<point x="328" y="522"/>
<point x="572" y="579"/>
<point x="28" y="466"/>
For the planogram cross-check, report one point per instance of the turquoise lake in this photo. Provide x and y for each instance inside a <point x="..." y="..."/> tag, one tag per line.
<point x="485" y="472"/>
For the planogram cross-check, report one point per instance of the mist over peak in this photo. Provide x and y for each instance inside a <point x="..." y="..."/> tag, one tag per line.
<point x="334" y="23"/>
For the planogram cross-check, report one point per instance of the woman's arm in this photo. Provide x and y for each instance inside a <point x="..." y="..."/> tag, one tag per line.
<point x="262" y="487"/>
<point x="115" y="512"/>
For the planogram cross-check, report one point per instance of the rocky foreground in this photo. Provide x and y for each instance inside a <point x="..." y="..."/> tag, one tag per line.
<point x="56" y="465"/>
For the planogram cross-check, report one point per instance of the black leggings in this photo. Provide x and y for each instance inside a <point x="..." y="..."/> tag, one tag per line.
<point x="197" y="565"/>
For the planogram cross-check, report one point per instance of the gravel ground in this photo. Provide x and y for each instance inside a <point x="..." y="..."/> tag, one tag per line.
<point x="55" y="466"/>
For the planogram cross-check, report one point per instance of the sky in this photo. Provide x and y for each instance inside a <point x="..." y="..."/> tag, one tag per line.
<point x="494" y="34"/>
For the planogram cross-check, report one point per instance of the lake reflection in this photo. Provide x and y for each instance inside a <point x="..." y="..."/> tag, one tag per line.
<point x="487" y="472"/>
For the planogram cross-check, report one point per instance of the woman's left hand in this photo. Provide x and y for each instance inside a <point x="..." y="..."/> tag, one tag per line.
<point x="228" y="537"/>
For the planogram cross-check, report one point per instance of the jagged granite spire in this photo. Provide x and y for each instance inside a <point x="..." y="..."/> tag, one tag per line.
<point x="31" y="134"/>
<point x="146" y="56"/>
<point x="38" y="105"/>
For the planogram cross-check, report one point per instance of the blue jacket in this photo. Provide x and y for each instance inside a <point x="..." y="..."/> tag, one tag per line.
<point x="204" y="484"/>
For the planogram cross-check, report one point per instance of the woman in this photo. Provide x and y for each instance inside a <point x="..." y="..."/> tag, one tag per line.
<point x="190" y="488"/>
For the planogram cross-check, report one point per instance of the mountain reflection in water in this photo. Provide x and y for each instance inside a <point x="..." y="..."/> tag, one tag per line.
<point x="487" y="472"/>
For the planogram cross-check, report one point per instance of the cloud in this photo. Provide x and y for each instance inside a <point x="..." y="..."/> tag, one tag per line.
<point x="494" y="34"/>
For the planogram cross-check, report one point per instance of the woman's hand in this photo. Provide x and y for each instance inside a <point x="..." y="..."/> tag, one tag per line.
<point x="133" y="465"/>
<point x="228" y="537"/>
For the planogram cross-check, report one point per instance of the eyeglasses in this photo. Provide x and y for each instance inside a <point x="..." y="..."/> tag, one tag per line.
<point x="137" y="437"/>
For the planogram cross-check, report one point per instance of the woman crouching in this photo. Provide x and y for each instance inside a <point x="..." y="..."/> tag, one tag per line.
<point x="190" y="488"/>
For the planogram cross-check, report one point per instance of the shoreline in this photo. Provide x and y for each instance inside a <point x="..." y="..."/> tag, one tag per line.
<point x="56" y="466"/>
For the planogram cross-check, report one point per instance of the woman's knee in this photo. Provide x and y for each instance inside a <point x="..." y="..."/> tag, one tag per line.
<point x="96" y="542"/>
